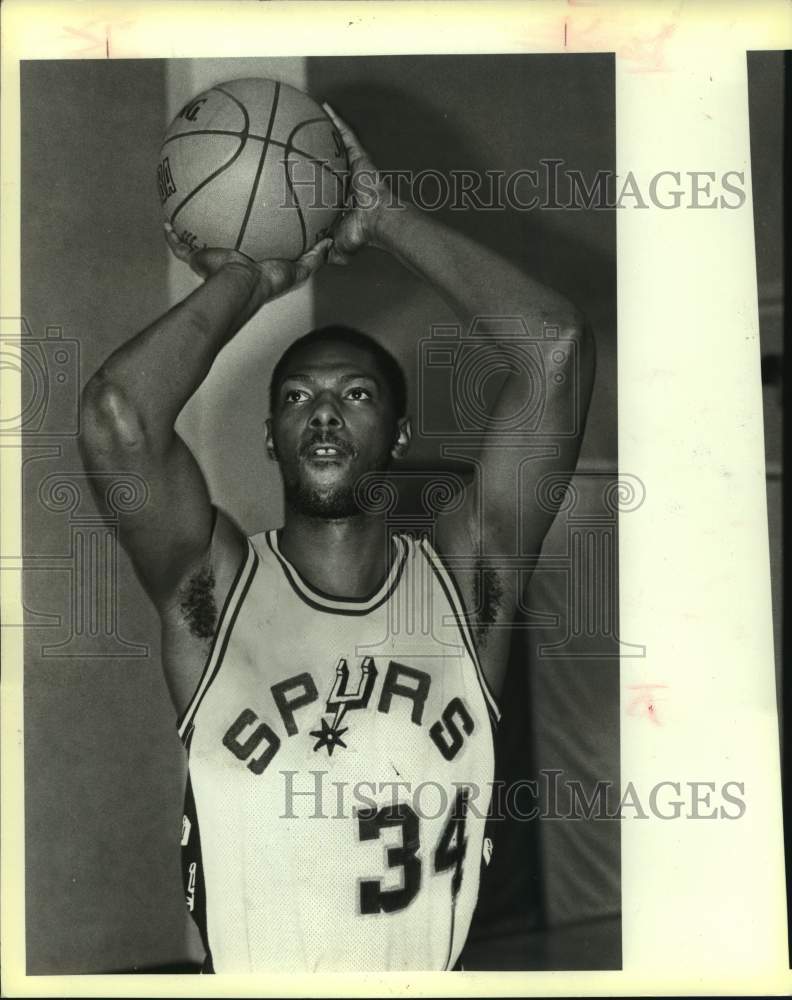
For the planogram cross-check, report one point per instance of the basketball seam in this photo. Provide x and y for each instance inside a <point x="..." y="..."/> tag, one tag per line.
<point x="290" y="147"/>
<point x="244" y="135"/>
<point x="207" y="180"/>
<point x="260" y="138"/>
<point x="260" y="167"/>
<point x="286" y="151"/>
<point x="297" y="205"/>
<point x="235" y="100"/>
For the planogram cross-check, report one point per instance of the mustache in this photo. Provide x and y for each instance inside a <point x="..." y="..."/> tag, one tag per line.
<point x="328" y="440"/>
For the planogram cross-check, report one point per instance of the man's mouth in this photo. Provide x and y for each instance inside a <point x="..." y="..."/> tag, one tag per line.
<point x="327" y="450"/>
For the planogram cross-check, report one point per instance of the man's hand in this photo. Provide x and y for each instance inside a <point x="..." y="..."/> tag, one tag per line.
<point x="368" y="197"/>
<point x="269" y="277"/>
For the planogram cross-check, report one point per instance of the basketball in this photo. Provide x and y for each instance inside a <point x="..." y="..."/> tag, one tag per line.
<point x="252" y="165"/>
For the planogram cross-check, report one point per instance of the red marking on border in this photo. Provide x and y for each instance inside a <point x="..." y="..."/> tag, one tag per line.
<point x="642" y="53"/>
<point x="644" y="702"/>
<point x="647" y="51"/>
<point x="97" y="35"/>
<point x="84" y="34"/>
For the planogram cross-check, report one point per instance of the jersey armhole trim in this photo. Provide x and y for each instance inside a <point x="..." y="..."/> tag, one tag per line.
<point x="233" y="602"/>
<point x="452" y="592"/>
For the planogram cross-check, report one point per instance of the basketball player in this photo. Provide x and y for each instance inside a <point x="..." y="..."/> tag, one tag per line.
<point x="293" y="657"/>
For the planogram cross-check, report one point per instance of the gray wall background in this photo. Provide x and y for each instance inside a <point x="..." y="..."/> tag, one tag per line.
<point x="103" y="766"/>
<point x="104" y="770"/>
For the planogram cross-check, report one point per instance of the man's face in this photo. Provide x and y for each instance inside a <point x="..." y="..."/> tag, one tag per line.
<point x="332" y="422"/>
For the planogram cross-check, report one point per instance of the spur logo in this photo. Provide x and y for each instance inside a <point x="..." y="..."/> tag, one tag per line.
<point x="341" y="699"/>
<point x="255" y="740"/>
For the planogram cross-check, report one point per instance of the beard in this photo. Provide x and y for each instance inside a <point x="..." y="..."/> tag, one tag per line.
<point x="348" y="497"/>
<point x="329" y="504"/>
<point x="333" y="500"/>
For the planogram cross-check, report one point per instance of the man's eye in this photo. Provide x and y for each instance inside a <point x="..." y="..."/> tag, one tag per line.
<point x="295" y="395"/>
<point x="359" y="393"/>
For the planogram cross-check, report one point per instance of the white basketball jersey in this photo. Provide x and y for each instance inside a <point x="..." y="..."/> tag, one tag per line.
<point x="340" y="767"/>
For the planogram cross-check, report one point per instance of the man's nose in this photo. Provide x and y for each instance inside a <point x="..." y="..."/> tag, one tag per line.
<point x="326" y="412"/>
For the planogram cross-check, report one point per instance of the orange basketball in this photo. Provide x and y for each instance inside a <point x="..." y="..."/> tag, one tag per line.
<point x="252" y="165"/>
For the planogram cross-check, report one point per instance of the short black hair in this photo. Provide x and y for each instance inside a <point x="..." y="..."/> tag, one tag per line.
<point x="393" y="372"/>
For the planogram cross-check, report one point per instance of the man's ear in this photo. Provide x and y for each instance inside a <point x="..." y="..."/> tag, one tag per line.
<point x="402" y="443"/>
<point x="268" y="440"/>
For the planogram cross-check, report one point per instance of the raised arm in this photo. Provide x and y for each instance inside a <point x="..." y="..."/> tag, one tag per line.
<point x="130" y="406"/>
<point x="543" y="341"/>
<point x="477" y="282"/>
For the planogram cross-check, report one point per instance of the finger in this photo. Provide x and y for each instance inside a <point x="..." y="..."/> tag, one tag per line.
<point x="281" y="275"/>
<point x="318" y="250"/>
<point x="313" y="259"/>
<point x="351" y="141"/>
<point x="170" y="235"/>
<point x="179" y="249"/>
<point x="345" y="243"/>
<point x="337" y="257"/>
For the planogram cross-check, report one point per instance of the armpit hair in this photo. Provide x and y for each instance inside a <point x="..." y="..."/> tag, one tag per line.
<point x="488" y="592"/>
<point x="198" y="603"/>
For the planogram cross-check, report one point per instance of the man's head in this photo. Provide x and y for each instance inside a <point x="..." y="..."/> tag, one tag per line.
<point x="337" y="405"/>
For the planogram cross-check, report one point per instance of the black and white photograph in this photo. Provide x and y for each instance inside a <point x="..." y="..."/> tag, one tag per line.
<point x="329" y="574"/>
<point x="374" y="515"/>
